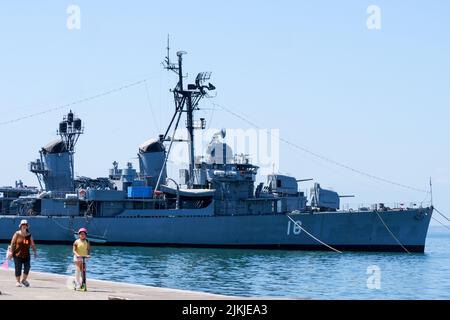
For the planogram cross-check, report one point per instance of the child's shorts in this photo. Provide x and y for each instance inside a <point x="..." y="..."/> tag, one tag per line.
<point x="76" y="259"/>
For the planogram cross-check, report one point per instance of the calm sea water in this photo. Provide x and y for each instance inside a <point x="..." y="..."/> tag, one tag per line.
<point x="266" y="273"/>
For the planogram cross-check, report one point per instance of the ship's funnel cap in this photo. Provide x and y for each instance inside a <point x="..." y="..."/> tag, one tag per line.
<point x="56" y="146"/>
<point x="152" y="145"/>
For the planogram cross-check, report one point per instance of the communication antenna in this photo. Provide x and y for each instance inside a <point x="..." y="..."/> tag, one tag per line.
<point x="186" y="101"/>
<point x="70" y="130"/>
<point x="431" y="192"/>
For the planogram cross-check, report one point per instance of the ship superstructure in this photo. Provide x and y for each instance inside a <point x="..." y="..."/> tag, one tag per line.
<point x="214" y="203"/>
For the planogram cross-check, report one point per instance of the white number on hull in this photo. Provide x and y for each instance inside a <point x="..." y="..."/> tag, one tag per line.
<point x="295" y="228"/>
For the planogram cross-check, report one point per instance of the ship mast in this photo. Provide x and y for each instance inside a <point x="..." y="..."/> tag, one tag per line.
<point x="186" y="101"/>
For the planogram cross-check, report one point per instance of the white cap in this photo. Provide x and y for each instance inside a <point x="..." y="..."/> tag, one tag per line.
<point x="23" y="222"/>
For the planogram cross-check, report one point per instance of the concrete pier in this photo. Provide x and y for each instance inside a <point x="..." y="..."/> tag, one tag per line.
<point x="47" y="286"/>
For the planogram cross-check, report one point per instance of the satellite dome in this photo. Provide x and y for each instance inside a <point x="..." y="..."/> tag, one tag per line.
<point x="56" y="146"/>
<point x="152" y="145"/>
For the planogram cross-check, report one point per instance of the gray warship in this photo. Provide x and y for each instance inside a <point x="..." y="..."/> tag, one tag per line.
<point x="215" y="203"/>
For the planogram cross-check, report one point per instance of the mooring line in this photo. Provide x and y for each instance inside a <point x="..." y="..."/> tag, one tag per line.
<point x="445" y="217"/>
<point x="392" y="234"/>
<point x="440" y="222"/>
<point x="309" y="234"/>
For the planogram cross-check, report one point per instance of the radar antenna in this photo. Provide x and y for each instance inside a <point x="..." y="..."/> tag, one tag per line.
<point x="186" y="101"/>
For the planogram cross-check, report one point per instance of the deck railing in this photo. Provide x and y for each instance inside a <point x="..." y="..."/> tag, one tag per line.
<point x="400" y="206"/>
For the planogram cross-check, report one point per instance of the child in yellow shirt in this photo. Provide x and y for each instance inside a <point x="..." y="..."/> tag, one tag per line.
<point x="81" y="248"/>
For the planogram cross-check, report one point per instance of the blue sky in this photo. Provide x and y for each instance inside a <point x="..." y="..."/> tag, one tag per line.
<point x="375" y="100"/>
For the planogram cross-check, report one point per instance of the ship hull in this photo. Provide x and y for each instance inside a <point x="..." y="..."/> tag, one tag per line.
<point x="346" y="231"/>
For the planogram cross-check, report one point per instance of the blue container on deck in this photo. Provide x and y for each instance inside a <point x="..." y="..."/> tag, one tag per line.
<point x="140" y="192"/>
